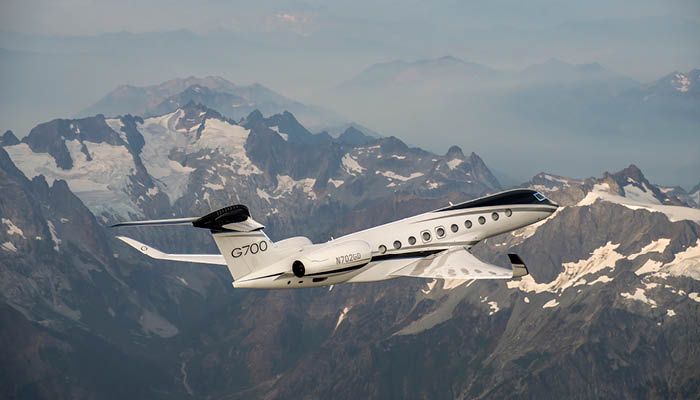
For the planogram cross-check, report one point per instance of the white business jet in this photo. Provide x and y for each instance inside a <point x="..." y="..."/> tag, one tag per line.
<point x="435" y="244"/>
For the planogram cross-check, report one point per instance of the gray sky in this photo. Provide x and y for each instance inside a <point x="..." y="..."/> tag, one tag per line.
<point x="60" y="56"/>
<point x="89" y="17"/>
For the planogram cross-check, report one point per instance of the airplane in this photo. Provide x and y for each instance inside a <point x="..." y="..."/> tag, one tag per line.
<point x="435" y="244"/>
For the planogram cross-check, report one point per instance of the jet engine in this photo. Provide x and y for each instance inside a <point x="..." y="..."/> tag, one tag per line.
<point x="332" y="258"/>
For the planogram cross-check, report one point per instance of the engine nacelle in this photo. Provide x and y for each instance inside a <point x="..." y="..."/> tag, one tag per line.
<point x="332" y="257"/>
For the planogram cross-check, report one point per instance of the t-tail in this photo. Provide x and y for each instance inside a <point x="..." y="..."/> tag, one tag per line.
<point x="243" y="245"/>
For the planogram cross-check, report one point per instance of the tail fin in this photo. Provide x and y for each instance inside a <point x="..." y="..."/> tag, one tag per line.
<point x="240" y="239"/>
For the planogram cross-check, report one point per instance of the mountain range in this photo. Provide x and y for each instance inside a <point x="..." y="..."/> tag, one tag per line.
<point x="554" y="113"/>
<point x="610" y="309"/>
<point x="233" y="101"/>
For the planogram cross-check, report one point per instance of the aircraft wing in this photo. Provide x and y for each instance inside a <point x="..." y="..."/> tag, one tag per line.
<point x="216" y="259"/>
<point x="458" y="263"/>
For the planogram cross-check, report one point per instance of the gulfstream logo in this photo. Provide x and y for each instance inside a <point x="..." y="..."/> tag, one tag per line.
<point x="348" y="258"/>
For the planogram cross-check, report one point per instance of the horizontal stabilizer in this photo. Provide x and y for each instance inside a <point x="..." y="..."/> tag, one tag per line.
<point x="172" y="221"/>
<point x="455" y="263"/>
<point x="216" y="259"/>
<point x="235" y="218"/>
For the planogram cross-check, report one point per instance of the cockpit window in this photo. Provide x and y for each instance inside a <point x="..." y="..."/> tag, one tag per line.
<point x="539" y="196"/>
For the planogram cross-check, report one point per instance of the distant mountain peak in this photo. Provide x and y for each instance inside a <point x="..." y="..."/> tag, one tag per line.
<point x="632" y="172"/>
<point x="231" y="100"/>
<point x="8" y="139"/>
<point x="455" y="152"/>
<point x="354" y="137"/>
<point x="254" y="117"/>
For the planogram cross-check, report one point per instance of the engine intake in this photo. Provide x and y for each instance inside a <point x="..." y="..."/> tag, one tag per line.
<point x="298" y="268"/>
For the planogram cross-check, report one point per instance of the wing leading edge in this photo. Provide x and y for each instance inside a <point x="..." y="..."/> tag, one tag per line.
<point x="459" y="263"/>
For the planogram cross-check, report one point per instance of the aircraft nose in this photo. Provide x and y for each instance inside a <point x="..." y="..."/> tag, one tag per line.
<point x="551" y="203"/>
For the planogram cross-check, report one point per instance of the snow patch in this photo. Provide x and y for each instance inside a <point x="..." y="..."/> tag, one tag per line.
<point x="640" y="196"/>
<point x="686" y="263"/>
<point x="230" y="139"/>
<point x="454" y="163"/>
<point x="116" y="125"/>
<point x="351" y="166"/>
<point x="681" y="83"/>
<point x="656" y="246"/>
<point x="336" y="183"/>
<point x="282" y="135"/>
<point x="153" y="323"/>
<point x="286" y="184"/>
<point x="601" y="279"/>
<point x="601" y="258"/>
<point x="214" y="186"/>
<point x="100" y="183"/>
<point x="394" y="175"/>
<point x="650" y="266"/>
<point x="8" y="246"/>
<point x="341" y="317"/>
<point x="12" y="229"/>
<point x="550" y="304"/>
<point x="54" y="237"/>
<point x="694" y="296"/>
<point x="263" y="194"/>
<point x="493" y="307"/>
<point x="602" y="192"/>
<point x="639" y="295"/>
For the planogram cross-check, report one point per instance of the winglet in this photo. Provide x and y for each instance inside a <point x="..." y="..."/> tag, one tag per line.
<point x="519" y="267"/>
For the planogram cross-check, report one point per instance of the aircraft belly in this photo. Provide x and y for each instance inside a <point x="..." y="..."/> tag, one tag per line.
<point x="380" y="270"/>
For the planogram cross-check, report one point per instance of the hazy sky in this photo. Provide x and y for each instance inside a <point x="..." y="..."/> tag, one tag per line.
<point x="58" y="57"/>
<point x="87" y="17"/>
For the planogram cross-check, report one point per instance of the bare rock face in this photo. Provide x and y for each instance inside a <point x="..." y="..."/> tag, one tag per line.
<point x="613" y="297"/>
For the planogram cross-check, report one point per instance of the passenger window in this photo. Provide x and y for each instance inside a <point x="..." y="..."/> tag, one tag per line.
<point x="411" y="240"/>
<point x="468" y="224"/>
<point x="382" y="249"/>
<point x="509" y="212"/>
<point x="454" y="228"/>
<point x="426" y="236"/>
<point x="440" y="232"/>
<point x="397" y="244"/>
<point x="482" y="220"/>
<point x="494" y="216"/>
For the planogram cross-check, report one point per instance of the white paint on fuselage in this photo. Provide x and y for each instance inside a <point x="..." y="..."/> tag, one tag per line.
<point x="401" y="230"/>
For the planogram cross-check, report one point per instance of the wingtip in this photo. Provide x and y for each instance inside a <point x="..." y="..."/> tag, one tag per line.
<point x="518" y="266"/>
<point x="134" y="243"/>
